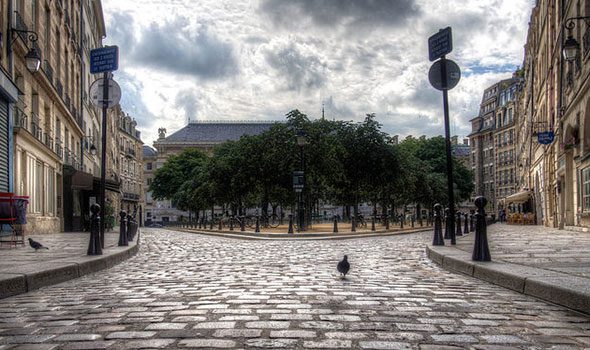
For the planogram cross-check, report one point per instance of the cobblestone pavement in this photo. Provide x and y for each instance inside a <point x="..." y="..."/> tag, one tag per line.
<point x="191" y="291"/>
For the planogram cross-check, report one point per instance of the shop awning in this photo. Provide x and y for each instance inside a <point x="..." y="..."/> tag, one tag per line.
<point x="519" y="197"/>
<point x="82" y="181"/>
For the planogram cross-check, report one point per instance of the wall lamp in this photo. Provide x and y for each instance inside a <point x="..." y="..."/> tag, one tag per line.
<point x="32" y="58"/>
<point x="571" y="47"/>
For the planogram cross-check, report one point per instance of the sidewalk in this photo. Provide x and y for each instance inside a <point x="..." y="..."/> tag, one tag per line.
<point x="23" y="269"/>
<point x="546" y="263"/>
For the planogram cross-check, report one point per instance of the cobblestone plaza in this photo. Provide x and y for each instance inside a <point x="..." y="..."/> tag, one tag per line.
<point x="192" y="291"/>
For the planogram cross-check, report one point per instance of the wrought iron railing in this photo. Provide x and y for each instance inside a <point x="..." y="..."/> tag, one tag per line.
<point x="59" y="87"/>
<point x="21" y="26"/>
<point x="20" y="118"/>
<point x="58" y="148"/>
<point x="48" y="141"/>
<point x="48" y="71"/>
<point x="67" y="156"/>
<point x="67" y="100"/>
<point x="36" y="127"/>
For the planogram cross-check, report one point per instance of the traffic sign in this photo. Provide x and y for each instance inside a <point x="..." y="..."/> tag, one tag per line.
<point x="440" y="44"/>
<point x="546" y="137"/>
<point x="104" y="59"/>
<point x="97" y="97"/>
<point x="453" y="74"/>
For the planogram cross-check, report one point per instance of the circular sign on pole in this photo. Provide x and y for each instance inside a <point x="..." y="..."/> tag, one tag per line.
<point x="453" y="75"/>
<point x="96" y="93"/>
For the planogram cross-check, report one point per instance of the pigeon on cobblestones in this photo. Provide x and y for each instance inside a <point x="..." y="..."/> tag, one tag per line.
<point x="36" y="245"/>
<point x="343" y="267"/>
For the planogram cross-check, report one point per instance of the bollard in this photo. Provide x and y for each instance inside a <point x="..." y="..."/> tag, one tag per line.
<point x="481" y="249"/>
<point x="257" y="229"/>
<point x="471" y="223"/>
<point x="123" y="230"/>
<point x="335" y="225"/>
<point x="458" y="230"/>
<point x="94" y="247"/>
<point x="373" y="223"/>
<point x="231" y="223"/>
<point x="438" y="236"/>
<point x="401" y="221"/>
<point x="447" y="222"/>
<point x="466" y="225"/>
<point x="290" y="224"/>
<point x="242" y="224"/>
<point x="211" y="224"/>
<point x="352" y="224"/>
<point x="131" y="228"/>
<point x="386" y="222"/>
<point x="220" y="224"/>
<point x="413" y="221"/>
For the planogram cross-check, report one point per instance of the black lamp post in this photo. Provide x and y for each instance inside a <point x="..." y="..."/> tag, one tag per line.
<point x="571" y="47"/>
<point x="301" y="142"/>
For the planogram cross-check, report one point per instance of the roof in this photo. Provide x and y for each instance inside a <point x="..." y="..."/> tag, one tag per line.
<point x="149" y="152"/>
<point x="217" y="132"/>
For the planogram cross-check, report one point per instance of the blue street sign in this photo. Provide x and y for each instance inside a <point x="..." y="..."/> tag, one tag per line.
<point x="440" y="44"/>
<point x="104" y="59"/>
<point x="546" y="137"/>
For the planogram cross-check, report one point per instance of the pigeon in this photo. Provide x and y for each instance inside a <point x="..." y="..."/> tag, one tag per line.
<point x="36" y="245"/>
<point x="343" y="267"/>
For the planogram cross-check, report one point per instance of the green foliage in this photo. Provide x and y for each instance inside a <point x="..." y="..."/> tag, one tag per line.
<point x="345" y="163"/>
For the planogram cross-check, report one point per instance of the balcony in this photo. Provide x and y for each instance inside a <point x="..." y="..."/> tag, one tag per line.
<point x="67" y="156"/>
<point x="48" y="141"/>
<point x="48" y="70"/>
<point x="59" y="87"/>
<point x="130" y="153"/>
<point x="130" y="196"/>
<point x="36" y="127"/>
<point x="67" y="101"/>
<point x="20" y="118"/>
<point x="58" y="148"/>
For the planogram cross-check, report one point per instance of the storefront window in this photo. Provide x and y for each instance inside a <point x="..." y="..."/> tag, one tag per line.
<point x="586" y="189"/>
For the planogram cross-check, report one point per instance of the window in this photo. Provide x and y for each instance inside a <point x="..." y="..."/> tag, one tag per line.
<point x="149" y="166"/>
<point x="50" y="191"/>
<point x="586" y="189"/>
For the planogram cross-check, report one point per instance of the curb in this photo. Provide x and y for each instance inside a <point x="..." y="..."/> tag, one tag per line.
<point x="34" y="276"/>
<point x="249" y="235"/>
<point x="559" y="288"/>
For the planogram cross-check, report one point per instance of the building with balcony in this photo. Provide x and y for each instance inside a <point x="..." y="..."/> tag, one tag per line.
<point x="48" y="130"/>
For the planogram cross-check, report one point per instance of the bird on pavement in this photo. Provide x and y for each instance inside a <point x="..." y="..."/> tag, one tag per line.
<point x="343" y="267"/>
<point x="36" y="245"/>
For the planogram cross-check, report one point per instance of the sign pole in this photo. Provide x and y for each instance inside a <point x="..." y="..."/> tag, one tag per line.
<point x="451" y="194"/>
<point x="103" y="170"/>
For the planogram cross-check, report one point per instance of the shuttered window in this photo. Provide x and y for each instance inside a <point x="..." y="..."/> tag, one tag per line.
<point x="4" y="145"/>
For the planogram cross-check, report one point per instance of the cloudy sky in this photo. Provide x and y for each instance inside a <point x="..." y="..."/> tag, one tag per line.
<point x="259" y="59"/>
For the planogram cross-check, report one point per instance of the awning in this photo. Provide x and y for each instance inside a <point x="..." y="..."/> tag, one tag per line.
<point x="519" y="197"/>
<point x="110" y="185"/>
<point x="82" y="181"/>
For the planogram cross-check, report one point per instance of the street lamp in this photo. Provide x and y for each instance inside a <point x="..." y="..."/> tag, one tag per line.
<point x="301" y="142"/>
<point x="32" y="58"/>
<point x="571" y="47"/>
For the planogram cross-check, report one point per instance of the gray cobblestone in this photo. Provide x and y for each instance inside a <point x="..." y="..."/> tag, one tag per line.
<point x="236" y="294"/>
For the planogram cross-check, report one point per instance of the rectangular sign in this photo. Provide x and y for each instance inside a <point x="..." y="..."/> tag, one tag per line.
<point x="440" y="44"/>
<point x="104" y="59"/>
<point x="546" y="137"/>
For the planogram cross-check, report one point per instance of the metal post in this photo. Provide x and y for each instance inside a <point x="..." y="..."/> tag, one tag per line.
<point x="447" y="221"/>
<point x="231" y="223"/>
<point x="450" y="189"/>
<point x="353" y="224"/>
<point x="458" y="231"/>
<point x="373" y="223"/>
<point x="438" y="236"/>
<point x="290" y="224"/>
<point x="466" y="224"/>
<point x="123" y="230"/>
<point x="257" y="228"/>
<point x="94" y="247"/>
<point x="335" y="230"/>
<point x="401" y="221"/>
<point x="301" y="226"/>
<point x="386" y="222"/>
<point x="103" y="161"/>
<point x="481" y="249"/>
<point x="242" y="224"/>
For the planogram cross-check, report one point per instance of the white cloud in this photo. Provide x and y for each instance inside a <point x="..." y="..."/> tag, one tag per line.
<point x="245" y="60"/>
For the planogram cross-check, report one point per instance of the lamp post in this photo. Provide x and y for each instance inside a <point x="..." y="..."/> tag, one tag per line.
<point x="571" y="47"/>
<point x="32" y="58"/>
<point x="301" y="142"/>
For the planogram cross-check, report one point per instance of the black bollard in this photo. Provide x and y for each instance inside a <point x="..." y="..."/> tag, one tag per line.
<point x="438" y="236"/>
<point x="123" y="230"/>
<point x="242" y="224"/>
<point x="481" y="249"/>
<point x="352" y="224"/>
<point x="290" y="224"/>
<point x="466" y="225"/>
<point x="373" y="223"/>
<point x="257" y="228"/>
<point x="458" y="230"/>
<point x="386" y="222"/>
<point x="471" y="221"/>
<point x="413" y="221"/>
<point x="211" y="224"/>
<point x="231" y="223"/>
<point x="335" y="224"/>
<point x="94" y="247"/>
<point x="447" y="222"/>
<point x="401" y="221"/>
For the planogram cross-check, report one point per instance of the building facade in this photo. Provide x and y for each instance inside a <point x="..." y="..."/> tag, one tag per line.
<point x="197" y="134"/>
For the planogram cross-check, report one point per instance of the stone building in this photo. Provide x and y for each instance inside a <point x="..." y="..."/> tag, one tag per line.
<point x="130" y="163"/>
<point x="197" y="134"/>
<point x="492" y="140"/>
<point x="47" y="128"/>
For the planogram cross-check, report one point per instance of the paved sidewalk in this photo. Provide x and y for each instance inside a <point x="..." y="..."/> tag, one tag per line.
<point x="23" y="269"/>
<point x="547" y="263"/>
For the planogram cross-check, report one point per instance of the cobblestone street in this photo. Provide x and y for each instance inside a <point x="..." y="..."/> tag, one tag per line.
<point x="191" y="291"/>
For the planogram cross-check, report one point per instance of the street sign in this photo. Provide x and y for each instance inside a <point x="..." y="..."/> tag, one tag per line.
<point x="453" y="74"/>
<point x="104" y="59"/>
<point x="440" y="44"/>
<point x="96" y="93"/>
<point x="298" y="181"/>
<point x="546" y="137"/>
